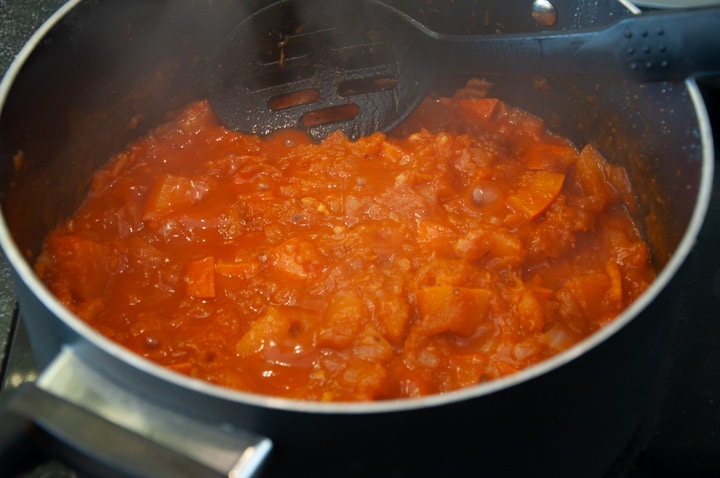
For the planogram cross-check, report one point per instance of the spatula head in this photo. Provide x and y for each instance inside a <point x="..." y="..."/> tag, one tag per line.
<point x="316" y="65"/>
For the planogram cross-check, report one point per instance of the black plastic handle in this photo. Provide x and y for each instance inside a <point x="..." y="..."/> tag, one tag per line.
<point x="667" y="45"/>
<point x="654" y="46"/>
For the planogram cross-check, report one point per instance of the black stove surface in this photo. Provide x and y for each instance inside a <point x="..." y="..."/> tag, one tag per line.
<point x="680" y="433"/>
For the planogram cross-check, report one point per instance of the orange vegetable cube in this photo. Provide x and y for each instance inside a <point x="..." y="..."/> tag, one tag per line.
<point x="171" y="192"/>
<point x="236" y="270"/>
<point x="342" y="320"/>
<point x="452" y="309"/>
<point x="82" y="265"/>
<point x="615" y="291"/>
<point x="480" y="108"/>
<point x="531" y="310"/>
<point x="263" y="331"/>
<point x="550" y="157"/>
<point x="490" y="244"/>
<point x="600" y="181"/>
<point x="537" y="191"/>
<point x="200" y="278"/>
<point x="297" y="258"/>
<point x="437" y="237"/>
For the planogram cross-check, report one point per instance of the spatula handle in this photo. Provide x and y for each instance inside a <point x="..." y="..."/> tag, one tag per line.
<point x="665" y="45"/>
<point x="668" y="45"/>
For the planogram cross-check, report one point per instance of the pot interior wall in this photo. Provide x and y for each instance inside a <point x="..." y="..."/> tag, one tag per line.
<point x="105" y="75"/>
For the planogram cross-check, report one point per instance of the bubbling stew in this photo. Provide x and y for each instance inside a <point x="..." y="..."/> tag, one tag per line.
<point x="463" y="247"/>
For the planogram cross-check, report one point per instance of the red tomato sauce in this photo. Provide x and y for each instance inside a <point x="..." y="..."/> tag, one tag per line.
<point x="383" y="268"/>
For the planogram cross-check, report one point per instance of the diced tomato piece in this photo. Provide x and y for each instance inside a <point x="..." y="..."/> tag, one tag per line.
<point x="500" y="368"/>
<point x="371" y="346"/>
<point x="531" y="310"/>
<point x="452" y="309"/>
<point x="296" y="257"/>
<point x="537" y="191"/>
<point x="550" y="157"/>
<point x="469" y="370"/>
<point x="237" y="270"/>
<point x="437" y="237"/>
<point x="596" y="295"/>
<point x="200" y="278"/>
<point x="368" y="380"/>
<point x="393" y="152"/>
<point x="615" y="291"/>
<point x="171" y="192"/>
<point x="393" y="311"/>
<point x="84" y="265"/>
<point x="342" y="320"/>
<point x="480" y="108"/>
<point x="491" y="244"/>
<point x="263" y="333"/>
<point x="601" y="182"/>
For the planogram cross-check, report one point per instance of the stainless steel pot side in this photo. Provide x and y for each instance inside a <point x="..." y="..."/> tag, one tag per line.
<point x="102" y="72"/>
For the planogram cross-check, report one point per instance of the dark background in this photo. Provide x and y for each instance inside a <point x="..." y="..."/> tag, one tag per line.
<point x="680" y="433"/>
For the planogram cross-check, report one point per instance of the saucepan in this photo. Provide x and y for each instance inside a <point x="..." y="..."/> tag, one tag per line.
<point x="101" y="73"/>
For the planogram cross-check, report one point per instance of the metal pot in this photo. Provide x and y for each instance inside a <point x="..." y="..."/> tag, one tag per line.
<point x="102" y="72"/>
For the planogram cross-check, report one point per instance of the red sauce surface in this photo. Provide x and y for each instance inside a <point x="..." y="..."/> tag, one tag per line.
<point x="375" y="269"/>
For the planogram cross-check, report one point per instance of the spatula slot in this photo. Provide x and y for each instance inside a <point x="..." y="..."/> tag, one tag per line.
<point x="296" y="98"/>
<point x="362" y="86"/>
<point x="333" y="114"/>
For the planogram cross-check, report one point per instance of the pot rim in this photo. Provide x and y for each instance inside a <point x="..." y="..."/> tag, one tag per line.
<point x="26" y="274"/>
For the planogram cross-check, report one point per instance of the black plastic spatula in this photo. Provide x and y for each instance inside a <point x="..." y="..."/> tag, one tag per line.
<point x="361" y="66"/>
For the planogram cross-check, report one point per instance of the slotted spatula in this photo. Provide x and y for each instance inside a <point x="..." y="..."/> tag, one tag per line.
<point x="362" y="66"/>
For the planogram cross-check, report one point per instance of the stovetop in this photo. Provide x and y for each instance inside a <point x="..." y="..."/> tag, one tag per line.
<point x="680" y="432"/>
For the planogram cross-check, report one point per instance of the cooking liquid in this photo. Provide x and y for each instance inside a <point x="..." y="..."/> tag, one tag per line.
<point x="384" y="268"/>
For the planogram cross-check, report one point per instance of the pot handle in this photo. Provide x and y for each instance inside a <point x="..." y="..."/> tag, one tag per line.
<point x="37" y="421"/>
